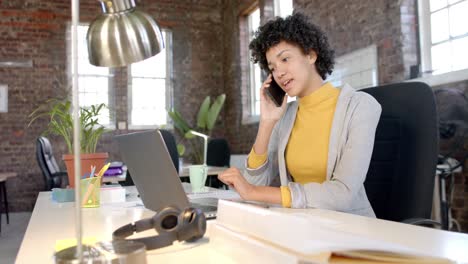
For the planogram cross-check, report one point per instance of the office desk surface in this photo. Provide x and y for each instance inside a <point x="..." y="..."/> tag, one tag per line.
<point x="5" y="175"/>
<point x="52" y="221"/>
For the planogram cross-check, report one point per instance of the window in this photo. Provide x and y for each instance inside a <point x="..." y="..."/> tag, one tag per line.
<point x="251" y="22"/>
<point x="444" y="35"/>
<point x="149" y="86"/>
<point x="254" y="69"/>
<point x="150" y="93"/>
<point x="283" y="8"/>
<point x="93" y="82"/>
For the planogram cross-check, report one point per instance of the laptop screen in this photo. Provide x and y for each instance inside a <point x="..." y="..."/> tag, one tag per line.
<point x="152" y="170"/>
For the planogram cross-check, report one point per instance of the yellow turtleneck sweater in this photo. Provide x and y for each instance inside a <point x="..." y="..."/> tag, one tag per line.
<point x="307" y="150"/>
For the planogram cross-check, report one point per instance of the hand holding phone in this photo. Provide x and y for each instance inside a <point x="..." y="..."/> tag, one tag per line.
<point x="275" y="92"/>
<point x="271" y="109"/>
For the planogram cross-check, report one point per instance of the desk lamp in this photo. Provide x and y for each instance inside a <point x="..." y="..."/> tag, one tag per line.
<point x="120" y="36"/>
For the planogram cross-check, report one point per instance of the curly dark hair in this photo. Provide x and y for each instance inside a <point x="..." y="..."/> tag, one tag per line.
<point x="294" y="29"/>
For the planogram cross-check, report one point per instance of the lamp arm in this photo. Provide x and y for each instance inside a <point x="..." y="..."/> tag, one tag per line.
<point x="205" y="150"/>
<point x="75" y="12"/>
<point x="205" y="147"/>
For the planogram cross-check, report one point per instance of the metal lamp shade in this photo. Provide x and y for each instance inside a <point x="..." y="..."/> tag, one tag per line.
<point x="122" y="35"/>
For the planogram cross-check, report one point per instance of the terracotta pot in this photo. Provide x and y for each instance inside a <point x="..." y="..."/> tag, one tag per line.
<point x="87" y="160"/>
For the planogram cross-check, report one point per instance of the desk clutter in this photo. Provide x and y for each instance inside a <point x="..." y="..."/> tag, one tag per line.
<point x="107" y="193"/>
<point x="299" y="237"/>
<point x="116" y="168"/>
<point x="93" y="193"/>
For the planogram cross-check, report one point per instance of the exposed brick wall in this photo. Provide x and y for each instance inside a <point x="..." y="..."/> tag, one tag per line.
<point x="36" y="30"/>
<point x="240" y="135"/>
<point x="28" y="30"/>
<point x="236" y="75"/>
<point x="409" y="32"/>
<point x="352" y="25"/>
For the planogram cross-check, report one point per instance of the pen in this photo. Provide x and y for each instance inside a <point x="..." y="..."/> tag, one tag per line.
<point x="93" y="169"/>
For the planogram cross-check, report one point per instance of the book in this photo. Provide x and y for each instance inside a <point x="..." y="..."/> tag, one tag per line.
<point x="292" y="236"/>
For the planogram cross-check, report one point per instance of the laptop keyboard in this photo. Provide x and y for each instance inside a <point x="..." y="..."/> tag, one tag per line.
<point x="204" y="208"/>
<point x="209" y="206"/>
<point x="221" y="194"/>
<point x="205" y="201"/>
<point x="208" y="201"/>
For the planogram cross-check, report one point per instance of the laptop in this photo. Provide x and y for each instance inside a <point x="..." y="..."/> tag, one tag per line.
<point x="156" y="178"/>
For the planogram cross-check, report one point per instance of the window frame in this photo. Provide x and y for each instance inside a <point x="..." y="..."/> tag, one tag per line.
<point x="249" y="114"/>
<point x="424" y="14"/>
<point x="247" y="82"/>
<point x="168" y="86"/>
<point x="277" y="8"/>
<point x="252" y="67"/>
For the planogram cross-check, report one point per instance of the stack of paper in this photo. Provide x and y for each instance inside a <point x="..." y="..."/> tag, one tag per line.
<point x="252" y="233"/>
<point x="112" y="194"/>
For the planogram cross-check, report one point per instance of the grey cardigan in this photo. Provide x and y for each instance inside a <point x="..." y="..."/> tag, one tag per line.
<point x="349" y="152"/>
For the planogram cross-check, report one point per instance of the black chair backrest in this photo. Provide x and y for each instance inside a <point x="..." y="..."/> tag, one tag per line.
<point x="218" y="153"/>
<point x="171" y="147"/>
<point x="46" y="160"/>
<point x="400" y="179"/>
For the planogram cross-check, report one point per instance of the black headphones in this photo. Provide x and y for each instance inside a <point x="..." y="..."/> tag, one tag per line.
<point x="171" y="224"/>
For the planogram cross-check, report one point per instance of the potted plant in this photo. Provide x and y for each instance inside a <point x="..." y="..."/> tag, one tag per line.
<point x="206" y="120"/>
<point x="61" y="124"/>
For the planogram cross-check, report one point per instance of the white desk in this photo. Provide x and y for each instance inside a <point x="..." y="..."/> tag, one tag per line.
<point x="5" y="175"/>
<point x="53" y="221"/>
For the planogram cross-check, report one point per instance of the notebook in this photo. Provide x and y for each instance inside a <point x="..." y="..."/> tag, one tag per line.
<point x="156" y="178"/>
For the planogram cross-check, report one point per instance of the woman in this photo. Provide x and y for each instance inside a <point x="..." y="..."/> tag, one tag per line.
<point x="319" y="147"/>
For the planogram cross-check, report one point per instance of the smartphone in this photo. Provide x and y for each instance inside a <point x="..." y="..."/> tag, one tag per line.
<point x="275" y="93"/>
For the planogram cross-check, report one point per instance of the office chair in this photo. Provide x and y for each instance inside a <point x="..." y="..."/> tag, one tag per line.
<point x="400" y="180"/>
<point x="54" y="178"/>
<point x="171" y="147"/>
<point x="218" y="154"/>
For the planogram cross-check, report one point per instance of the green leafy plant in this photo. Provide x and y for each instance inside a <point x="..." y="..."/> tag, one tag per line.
<point x="206" y="120"/>
<point x="61" y="123"/>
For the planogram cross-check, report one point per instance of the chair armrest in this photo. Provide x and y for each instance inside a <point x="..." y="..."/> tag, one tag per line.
<point x="422" y="222"/>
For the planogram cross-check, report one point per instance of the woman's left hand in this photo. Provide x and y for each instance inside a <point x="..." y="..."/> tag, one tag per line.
<point x="234" y="178"/>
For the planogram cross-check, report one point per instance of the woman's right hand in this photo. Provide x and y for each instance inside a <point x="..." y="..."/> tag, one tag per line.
<point x="233" y="177"/>
<point x="268" y="110"/>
